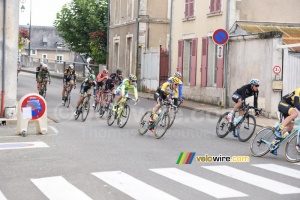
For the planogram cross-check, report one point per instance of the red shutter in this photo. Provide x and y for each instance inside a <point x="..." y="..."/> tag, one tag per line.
<point x="191" y="8"/>
<point x="204" y="61"/>
<point x="212" y="6"/>
<point x="218" y="5"/>
<point x="220" y="70"/>
<point x="186" y="12"/>
<point x="180" y="56"/>
<point x="194" y="62"/>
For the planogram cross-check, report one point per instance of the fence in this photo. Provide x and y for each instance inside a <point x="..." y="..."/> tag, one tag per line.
<point x="291" y="71"/>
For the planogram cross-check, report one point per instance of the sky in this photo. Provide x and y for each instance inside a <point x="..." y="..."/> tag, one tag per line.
<point x="43" y="12"/>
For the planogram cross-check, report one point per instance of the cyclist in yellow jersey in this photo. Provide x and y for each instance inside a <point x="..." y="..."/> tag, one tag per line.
<point x="162" y="93"/>
<point x="288" y="107"/>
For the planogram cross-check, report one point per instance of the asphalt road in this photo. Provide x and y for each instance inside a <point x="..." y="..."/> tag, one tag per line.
<point x="90" y="160"/>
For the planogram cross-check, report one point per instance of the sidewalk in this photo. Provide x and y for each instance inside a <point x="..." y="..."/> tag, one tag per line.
<point x="191" y="105"/>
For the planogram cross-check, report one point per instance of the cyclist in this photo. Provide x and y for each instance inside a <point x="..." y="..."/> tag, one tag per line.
<point x="117" y="78"/>
<point x="162" y="94"/>
<point x="239" y="97"/>
<point x="179" y="87"/>
<point x="43" y="76"/>
<point x="101" y="79"/>
<point x="69" y="77"/>
<point x="37" y="71"/>
<point x="124" y="87"/>
<point x="86" y="87"/>
<point x="288" y="107"/>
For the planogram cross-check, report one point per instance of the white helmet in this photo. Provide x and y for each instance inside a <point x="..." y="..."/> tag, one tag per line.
<point x="254" y="81"/>
<point x="177" y="74"/>
<point x="71" y="66"/>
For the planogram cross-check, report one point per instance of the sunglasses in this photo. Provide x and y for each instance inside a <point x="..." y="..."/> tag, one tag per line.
<point x="119" y="74"/>
<point x="176" y="84"/>
<point x="133" y="81"/>
<point x="256" y="85"/>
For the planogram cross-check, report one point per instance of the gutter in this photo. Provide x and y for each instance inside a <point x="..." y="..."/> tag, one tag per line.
<point x="3" y="59"/>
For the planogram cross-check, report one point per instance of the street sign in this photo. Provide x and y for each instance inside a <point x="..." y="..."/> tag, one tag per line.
<point x="220" y="51"/>
<point x="35" y="104"/>
<point x="220" y="36"/>
<point x="277" y="69"/>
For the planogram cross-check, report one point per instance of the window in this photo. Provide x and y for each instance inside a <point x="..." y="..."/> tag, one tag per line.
<point x="59" y="58"/>
<point x="189" y="9"/>
<point x="128" y="52"/>
<point x="44" y="58"/>
<point x="215" y="6"/>
<point x="116" y="55"/>
<point x="45" y="40"/>
<point x="129" y="9"/>
<point x="33" y="52"/>
<point x="117" y="11"/>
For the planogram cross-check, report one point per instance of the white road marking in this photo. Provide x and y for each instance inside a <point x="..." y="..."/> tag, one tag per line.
<point x="2" y="197"/>
<point x="132" y="186"/>
<point x="259" y="181"/>
<point x="198" y="183"/>
<point x="22" y="145"/>
<point x="54" y="129"/>
<point x="281" y="170"/>
<point x="58" y="188"/>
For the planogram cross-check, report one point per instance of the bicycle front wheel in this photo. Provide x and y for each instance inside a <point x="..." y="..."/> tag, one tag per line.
<point x="261" y="141"/>
<point x="161" y="126"/>
<point x="144" y="123"/>
<point x="111" y="117"/>
<point x="85" y="110"/>
<point x="67" y="102"/>
<point x="124" y="116"/>
<point x="172" y="117"/>
<point x="292" y="149"/>
<point x="246" y="128"/>
<point x="223" y="126"/>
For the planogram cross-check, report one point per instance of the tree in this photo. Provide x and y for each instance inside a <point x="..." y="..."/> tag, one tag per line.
<point x="23" y="38"/>
<point x="83" y="26"/>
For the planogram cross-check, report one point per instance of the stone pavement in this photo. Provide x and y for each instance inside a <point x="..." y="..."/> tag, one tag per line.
<point x="192" y="105"/>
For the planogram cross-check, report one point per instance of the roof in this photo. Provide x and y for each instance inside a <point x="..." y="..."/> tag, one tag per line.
<point x="291" y="31"/>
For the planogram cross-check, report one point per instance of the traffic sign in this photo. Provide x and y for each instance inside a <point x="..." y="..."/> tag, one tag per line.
<point x="277" y="69"/>
<point x="36" y="104"/>
<point x="220" y="36"/>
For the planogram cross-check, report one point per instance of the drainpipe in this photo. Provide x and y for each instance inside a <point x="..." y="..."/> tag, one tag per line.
<point x="226" y="56"/>
<point x="3" y="59"/>
<point x="170" y="42"/>
<point x="137" y="36"/>
<point x="107" y="35"/>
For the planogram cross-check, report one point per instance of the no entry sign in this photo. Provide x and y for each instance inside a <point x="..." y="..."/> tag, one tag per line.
<point x="220" y="36"/>
<point x="37" y="105"/>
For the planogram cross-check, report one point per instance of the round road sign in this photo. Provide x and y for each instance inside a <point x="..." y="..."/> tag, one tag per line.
<point x="37" y="105"/>
<point x="220" y="36"/>
<point x="277" y="69"/>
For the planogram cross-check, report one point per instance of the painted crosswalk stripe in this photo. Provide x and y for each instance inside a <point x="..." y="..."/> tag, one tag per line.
<point x="281" y="170"/>
<point x="259" y="181"/>
<point x="2" y="197"/>
<point x="22" y="145"/>
<point x="132" y="186"/>
<point x="58" y="188"/>
<point x="198" y="183"/>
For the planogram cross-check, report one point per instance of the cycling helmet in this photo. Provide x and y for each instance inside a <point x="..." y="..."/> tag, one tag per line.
<point x="176" y="80"/>
<point x="105" y="71"/>
<point x="177" y="74"/>
<point x="41" y="63"/>
<point x="71" y="66"/>
<point x="132" y="77"/>
<point x="45" y="65"/>
<point x="92" y="77"/>
<point x="119" y="71"/>
<point x="254" y="81"/>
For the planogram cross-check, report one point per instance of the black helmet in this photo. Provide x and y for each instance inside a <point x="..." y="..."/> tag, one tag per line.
<point x="119" y="71"/>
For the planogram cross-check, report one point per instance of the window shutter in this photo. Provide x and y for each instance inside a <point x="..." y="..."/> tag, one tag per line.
<point x="212" y="6"/>
<point x="191" y="14"/>
<point x="180" y="56"/>
<point x="194" y="62"/>
<point x="204" y="61"/>
<point x="220" y="70"/>
<point x="186" y="12"/>
<point x="218" y="5"/>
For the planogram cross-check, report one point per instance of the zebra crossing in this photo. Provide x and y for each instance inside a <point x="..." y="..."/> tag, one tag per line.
<point x="57" y="187"/>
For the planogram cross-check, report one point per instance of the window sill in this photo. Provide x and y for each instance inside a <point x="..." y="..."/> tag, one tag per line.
<point x="214" y="14"/>
<point x="189" y="19"/>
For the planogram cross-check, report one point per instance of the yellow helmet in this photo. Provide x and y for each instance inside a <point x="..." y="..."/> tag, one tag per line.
<point x="176" y="80"/>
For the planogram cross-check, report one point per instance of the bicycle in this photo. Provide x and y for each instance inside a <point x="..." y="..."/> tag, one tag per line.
<point x="162" y="121"/>
<point x="43" y="89"/>
<point x="108" y="103"/>
<point x="83" y="108"/>
<point x="173" y="111"/>
<point x="263" y="142"/>
<point x="67" y="98"/>
<point x="120" y="113"/>
<point x="97" y="100"/>
<point x="244" y="128"/>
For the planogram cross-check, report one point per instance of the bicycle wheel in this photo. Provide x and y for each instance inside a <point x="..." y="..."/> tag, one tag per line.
<point x="111" y="117"/>
<point x="85" y="109"/>
<point x="68" y="100"/>
<point x="246" y="128"/>
<point x="172" y="114"/>
<point x="223" y="126"/>
<point x="44" y="91"/>
<point x="144" y="123"/>
<point x="78" y="112"/>
<point x="261" y="141"/>
<point x="161" y="126"/>
<point x="124" y="116"/>
<point x="292" y="149"/>
<point x="102" y="111"/>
